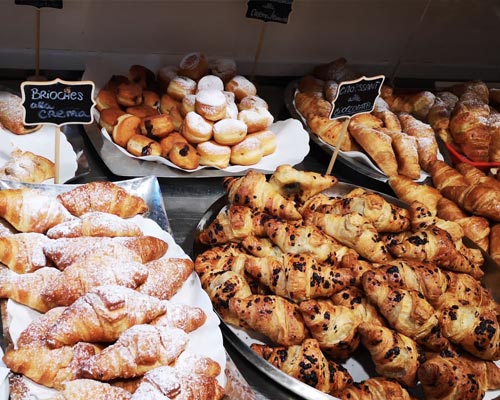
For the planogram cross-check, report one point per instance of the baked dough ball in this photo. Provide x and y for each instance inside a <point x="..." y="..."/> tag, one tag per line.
<point x="168" y="142"/>
<point x="184" y="155"/>
<point x="210" y="104"/>
<point x="187" y="104"/>
<point x="157" y="126"/>
<point x="249" y="102"/>
<point x="232" y="111"/>
<point x="126" y="126"/>
<point x="213" y="154"/>
<point x="267" y="139"/>
<point x="181" y="86"/>
<point x="141" y="75"/>
<point x="247" y="152"/>
<point x="229" y="96"/>
<point x="229" y="131"/>
<point x="106" y="99"/>
<point x="257" y="119"/>
<point x="142" y="111"/>
<point x="224" y="68"/>
<point x="140" y="146"/>
<point x="150" y="98"/>
<point x="241" y="87"/>
<point x="108" y="118"/>
<point x="210" y="82"/>
<point x="193" y="65"/>
<point x="165" y="75"/>
<point x="129" y="94"/>
<point x="196" y="129"/>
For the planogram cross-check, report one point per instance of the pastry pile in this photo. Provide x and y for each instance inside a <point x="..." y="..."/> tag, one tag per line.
<point x="108" y="328"/>
<point x="197" y="113"/>
<point x="321" y="276"/>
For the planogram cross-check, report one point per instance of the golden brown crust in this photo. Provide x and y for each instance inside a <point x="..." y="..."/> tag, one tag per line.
<point x="11" y="115"/>
<point x="184" y="155"/>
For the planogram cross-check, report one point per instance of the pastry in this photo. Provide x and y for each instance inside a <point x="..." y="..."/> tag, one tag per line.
<point x="129" y="94"/>
<point x="25" y="166"/>
<point x="252" y="102"/>
<point x="141" y="75"/>
<point x="229" y="131"/>
<point x="150" y="99"/>
<point x="196" y="129"/>
<point x="213" y="154"/>
<point x="311" y="85"/>
<point x="267" y="139"/>
<point x="187" y="104"/>
<point x="210" y="82"/>
<point x="247" y="152"/>
<point x="82" y="389"/>
<point x="308" y="105"/>
<point x="108" y="118"/>
<point x="126" y="126"/>
<point x="408" y="190"/>
<point x="12" y="114"/>
<point x="210" y="104"/>
<point x="23" y="252"/>
<point x="167" y="142"/>
<point x="156" y="127"/>
<point x="115" y="81"/>
<point x="256" y="119"/>
<point x="241" y="87"/>
<point x="330" y="89"/>
<point x="106" y="99"/>
<point x="184" y="155"/>
<point x="181" y="316"/>
<point x="374" y="389"/>
<point x="224" y="68"/>
<point x="181" y="86"/>
<point x="141" y="146"/>
<point x="193" y="65"/>
<point x="495" y="243"/>
<point x="142" y="111"/>
<point x="329" y="130"/>
<point x="165" y="75"/>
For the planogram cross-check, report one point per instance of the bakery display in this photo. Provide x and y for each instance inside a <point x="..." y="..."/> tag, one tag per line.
<point x="309" y="266"/>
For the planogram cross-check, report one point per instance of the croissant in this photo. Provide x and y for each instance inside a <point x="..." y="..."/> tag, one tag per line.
<point x="261" y="247"/>
<point x="421" y="103"/>
<point x="182" y="316"/>
<point x="334" y="327"/>
<point x="479" y="199"/>
<point x="307" y="363"/>
<point x="299" y="185"/>
<point x="329" y="130"/>
<point x="102" y="315"/>
<point x="26" y="288"/>
<point x="25" y="166"/>
<point x="394" y="354"/>
<point x="311" y="85"/>
<point x="409" y="190"/>
<point x="298" y="277"/>
<point x="255" y="192"/>
<point x="138" y="350"/>
<point x="48" y="367"/>
<point x="375" y="389"/>
<point x="354" y="298"/>
<point x="165" y="277"/>
<point x="103" y="196"/>
<point x="12" y="114"/>
<point x="84" y="389"/>
<point x="406" y="152"/>
<point x="440" y="112"/>
<point x="405" y="310"/>
<point x="474" y="175"/>
<point x="36" y="332"/>
<point x="382" y="111"/>
<point x="422" y="218"/>
<point x="95" y="223"/>
<point x="23" y="252"/>
<point x="444" y="175"/>
<point x="452" y="377"/>
<point x="275" y="317"/>
<point x="494" y="150"/>
<point x="309" y="105"/>
<point x="352" y="230"/>
<point x="495" y="243"/>
<point x="79" y="278"/>
<point x="31" y="210"/>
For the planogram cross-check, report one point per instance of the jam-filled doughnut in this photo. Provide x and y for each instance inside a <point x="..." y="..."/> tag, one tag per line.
<point x="150" y="98"/>
<point x="140" y="146"/>
<point x="184" y="155"/>
<point x="267" y="139"/>
<point x="193" y="65"/>
<point x="229" y="131"/>
<point x="195" y="128"/>
<point x="224" y="68"/>
<point x="241" y="87"/>
<point x="157" y="126"/>
<point x="210" y="104"/>
<point x="172" y="107"/>
<point x="126" y="126"/>
<point x="187" y="104"/>
<point x="106" y="99"/>
<point x="249" y="102"/>
<point x="210" y="82"/>
<point x="181" y="86"/>
<point x="167" y="142"/>
<point x="213" y="154"/>
<point x="256" y="119"/>
<point x="247" y="152"/>
<point x="142" y="111"/>
<point x="141" y="75"/>
<point x="108" y="118"/>
<point x="129" y="94"/>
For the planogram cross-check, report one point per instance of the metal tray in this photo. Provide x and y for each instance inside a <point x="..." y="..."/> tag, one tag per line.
<point x="360" y="358"/>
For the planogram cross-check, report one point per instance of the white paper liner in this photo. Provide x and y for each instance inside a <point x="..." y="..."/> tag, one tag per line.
<point x="42" y="143"/>
<point x="206" y="340"/>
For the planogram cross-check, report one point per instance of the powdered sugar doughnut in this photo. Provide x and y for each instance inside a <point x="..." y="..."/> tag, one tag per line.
<point x="224" y="68"/>
<point x="181" y="86"/>
<point x="252" y="102"/>
<point x="229" y="96"/>
<point x="187" y="104"/>
<point x="229" y="131"/>
<point x="257" y="119"/>
<point x="241" y="87"/>
<point x="195" y="128"/>
<point x="267" y="139"/>
<point x="213" y="154"/>
<point x="232" y="110"/>
<point x="210" y="82"/>
<point x="210" y="104"/>
<point x="247" y="152"/>
<point x="193" y="65"/>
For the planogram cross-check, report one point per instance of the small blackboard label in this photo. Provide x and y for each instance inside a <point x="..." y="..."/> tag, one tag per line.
<point x="58" y="102"/>
<point x="274" y="11"/>
<point x="356" y="97"/>
<point x="41" y="3"/>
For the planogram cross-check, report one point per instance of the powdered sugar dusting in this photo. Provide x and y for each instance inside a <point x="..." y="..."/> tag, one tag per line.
<point x="211" y="147"/>
<point x="211" y="82"/>
<point x="197" y="122"/>
<point x="211" y="97"/>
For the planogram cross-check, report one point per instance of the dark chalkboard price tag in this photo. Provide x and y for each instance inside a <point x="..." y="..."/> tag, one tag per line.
<point x="353" y="97"/>
<point x="274" y="11"/>
<point x="58" y="102"/>
<point x="41" y="3"/>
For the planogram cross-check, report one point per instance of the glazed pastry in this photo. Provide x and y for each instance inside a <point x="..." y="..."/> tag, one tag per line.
<point x="12" y="114"/>
<point x="210" y="104"/>
<point x="181" y="86"/>
<point x="129" y="94"/>
<point x="23" y="252"/>
<point x="213" y="154"/>
<point x="196" y="129"/>
<point x="256" y="119"/>
<point x="126" y="126"/>
<point x="142" y="111"/>
<point x="247" y="152"/>
<point x="141" y="75"/>
<point x="249" y="102"/>
<point x="224" y="68"/>
<point x="141" y="146"/>
<point x="229" y="131"/>
<point x="210" y="82"/>
<point x="374" y="389"/>
<point x="193" y="65"/>
<point x="106" y="99"/>
<point x="157" y="127"/>
<point x="25" y="166"/>
<point x="108" y="118"/>
<point x="267" y="139"/>
<point x="167" y="142"/>
<point x="241" y="87"/>
<point x="103" y="196"/>
<point x="187" y="104"/>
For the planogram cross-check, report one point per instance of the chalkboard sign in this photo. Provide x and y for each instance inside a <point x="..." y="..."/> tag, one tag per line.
<point x="274" y="11"/>
<point x="356" y="97"/>
<point x="58" y="102"/>
<point x="41" y="3"/>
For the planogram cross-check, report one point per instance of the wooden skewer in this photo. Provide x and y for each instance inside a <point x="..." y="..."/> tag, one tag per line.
<point x="345" y="124"/>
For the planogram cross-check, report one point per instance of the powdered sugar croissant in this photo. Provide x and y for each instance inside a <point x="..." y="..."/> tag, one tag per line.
<point x="23" y="252"/>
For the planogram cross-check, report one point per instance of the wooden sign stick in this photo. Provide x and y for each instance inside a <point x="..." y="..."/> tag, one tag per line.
<point x="57" y="155"/>
<point x="259" y="48"/>
<point x="37" y="45"/>
<point x="345" y="124"/>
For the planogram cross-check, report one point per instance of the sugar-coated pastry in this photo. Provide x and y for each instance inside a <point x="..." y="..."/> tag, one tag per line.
<point x="141" y="75"/>
<point x="168" y="142"/>
<point x="210" y="82"/>
<point x="106" y="99"/>
<point x="140" y="146"/>
<point x="150" y="98"/>
<point x="115" y="81"/>
<point x="224" y="68"/>
<point x="213" y="154"/>
<point x="165" y="75"/>
<point x="187" y="104"/>
<point x="196" y="129"/>
<point x="229" y="131"/>
<point x="157" y="126"/>
<point x="252" y="102"/>
<point x="267" y="139"/>
<point x="126" y="126"/>
<point x="129" y="94"/>
<point x="241" y="87"/>
<point x="232" y="110"/>
<point x="108" y="118"/>
<point x="210" y="104"/>
<point x="247" y="152"/>
<point x="142" y="111"/>
<point x="181" y="86"/>
<point x="184" y="155"/>
<point x="193" y="65"/>
<point x="257" y="119"/>
<point x="229" y="96"/>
